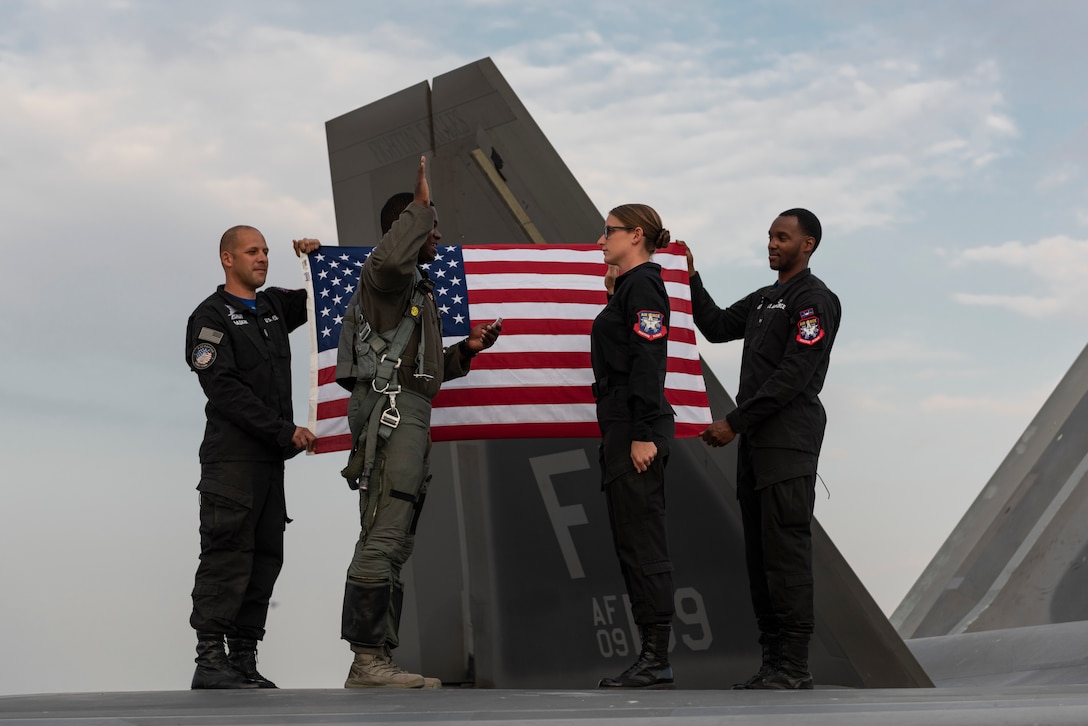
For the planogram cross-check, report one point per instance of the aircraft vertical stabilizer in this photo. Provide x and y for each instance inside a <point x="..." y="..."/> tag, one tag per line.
<point x="514" y="582"/>
<point x="1018" y="556"/>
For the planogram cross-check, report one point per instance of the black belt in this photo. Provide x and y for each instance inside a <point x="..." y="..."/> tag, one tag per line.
<point x="608" y="383"/>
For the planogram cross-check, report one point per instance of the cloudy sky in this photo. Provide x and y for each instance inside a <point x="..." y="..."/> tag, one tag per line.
<point x="944" y="146"/>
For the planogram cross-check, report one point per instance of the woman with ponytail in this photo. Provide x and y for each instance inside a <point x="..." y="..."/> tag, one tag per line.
<point x="629" y="345"/>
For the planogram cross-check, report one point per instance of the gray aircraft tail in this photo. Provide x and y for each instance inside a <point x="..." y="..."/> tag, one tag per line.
<point x="514" y="581"/>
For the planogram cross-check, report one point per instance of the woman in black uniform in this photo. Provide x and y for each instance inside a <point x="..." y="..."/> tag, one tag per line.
<point x="629" y="344"/>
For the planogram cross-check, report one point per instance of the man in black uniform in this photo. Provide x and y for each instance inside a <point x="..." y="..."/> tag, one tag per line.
<point x="237" y="344"/>
<point x="788" y="330"/>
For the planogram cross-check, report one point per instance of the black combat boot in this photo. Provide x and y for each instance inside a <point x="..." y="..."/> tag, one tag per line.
<point x="213" y="669"/>
<point x="772" y="655"/>
<point x="792" y="672"/>
<point x="652" y="669"/>
<point x="243" y="656"/>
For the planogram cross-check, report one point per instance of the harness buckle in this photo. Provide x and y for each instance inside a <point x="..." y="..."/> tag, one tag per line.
<point x="391" y="416"/>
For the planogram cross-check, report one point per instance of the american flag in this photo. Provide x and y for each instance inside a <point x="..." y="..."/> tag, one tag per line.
<point x="535" y="381"/>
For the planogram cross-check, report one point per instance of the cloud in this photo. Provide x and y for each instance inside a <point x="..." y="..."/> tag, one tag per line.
<point x="1057" y="179"/>
<point x="231" y="103"/>
<point x="892" y="350"/>
<point x="1052" y="270"/>
<point x="1016" y="407"/>
<point x="127" y="158"/>
<point x="1032" y="307"/>
<point x="853" y="137"/>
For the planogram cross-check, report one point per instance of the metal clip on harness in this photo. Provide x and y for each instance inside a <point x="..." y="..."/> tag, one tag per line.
<point x="391" y="377"/>
<point x="391" y="416"/>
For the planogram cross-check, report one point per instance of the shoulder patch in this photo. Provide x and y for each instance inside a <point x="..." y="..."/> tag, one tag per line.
<point x="212" y="336"/>
<point x="203" y="356"/>
<point x="651" y="324"/>
<point x="809" y="330"/>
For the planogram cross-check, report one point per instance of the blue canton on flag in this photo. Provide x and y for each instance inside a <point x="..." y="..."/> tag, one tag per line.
<point x="450" y="291"/>
<point x="335" y="275"/>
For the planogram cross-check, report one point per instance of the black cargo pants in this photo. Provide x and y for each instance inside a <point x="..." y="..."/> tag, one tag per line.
<point x="777" y="520"/>
<point x="243" y="514"/>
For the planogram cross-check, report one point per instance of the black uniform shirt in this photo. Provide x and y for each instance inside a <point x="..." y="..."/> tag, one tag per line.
<point x="629" y="346"/>
<point x="788" y="332"/>
<point x="243" y="361"/>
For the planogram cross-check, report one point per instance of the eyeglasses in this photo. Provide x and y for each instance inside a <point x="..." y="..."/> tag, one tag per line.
<point x="609" y="230"/>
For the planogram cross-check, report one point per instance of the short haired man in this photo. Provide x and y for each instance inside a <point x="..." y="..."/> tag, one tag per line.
<point x="237" y="344"/>
<point x="390" y="416"/>
<point x="788" y="330"/>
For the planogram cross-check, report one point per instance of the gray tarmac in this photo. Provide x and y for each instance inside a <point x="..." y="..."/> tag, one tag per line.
<point x="840" y="707"/>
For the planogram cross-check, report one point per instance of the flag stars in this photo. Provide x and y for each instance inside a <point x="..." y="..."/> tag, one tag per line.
<point x="342" y="280"/>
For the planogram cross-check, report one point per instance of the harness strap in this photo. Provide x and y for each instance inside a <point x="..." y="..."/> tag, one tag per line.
<point x="382" y="422"/>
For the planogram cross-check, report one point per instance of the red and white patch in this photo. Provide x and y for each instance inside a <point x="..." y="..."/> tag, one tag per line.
<point x="809" y="330"/>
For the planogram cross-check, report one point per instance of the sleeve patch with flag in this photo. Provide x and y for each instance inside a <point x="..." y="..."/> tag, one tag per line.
<point x="203" y="356"/>
<point x="212" y="336"/>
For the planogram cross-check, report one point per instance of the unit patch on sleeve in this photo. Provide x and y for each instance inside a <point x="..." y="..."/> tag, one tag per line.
<point x="809" y="330"/>
<point x="203" y="355"/>
<point x="651" y="324"/>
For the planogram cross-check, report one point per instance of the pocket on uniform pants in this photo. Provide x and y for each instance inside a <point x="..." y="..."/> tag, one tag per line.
<point x="794" y="501"/>
<point x="227" y="479"/>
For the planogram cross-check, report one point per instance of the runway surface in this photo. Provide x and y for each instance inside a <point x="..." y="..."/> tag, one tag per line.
<point x="1057" y="705"/>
